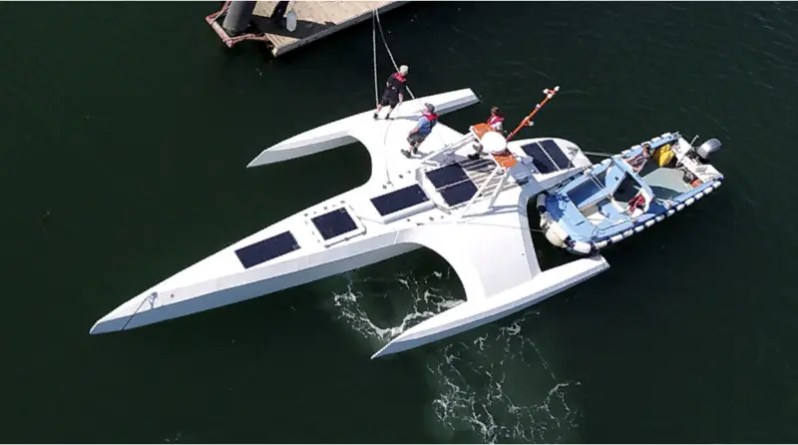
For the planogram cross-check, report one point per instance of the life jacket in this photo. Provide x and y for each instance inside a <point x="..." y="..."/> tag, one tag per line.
<point x="493" y="120"/>
<point x="399" y="78"/>
<point x="432" y="118"/>
<point x="638" y="201"/>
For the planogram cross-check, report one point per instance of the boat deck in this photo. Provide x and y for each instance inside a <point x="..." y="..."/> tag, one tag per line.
<point x="315" y="20"/>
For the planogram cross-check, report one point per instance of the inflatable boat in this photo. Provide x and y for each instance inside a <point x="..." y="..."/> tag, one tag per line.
<point x="628" y="193"/>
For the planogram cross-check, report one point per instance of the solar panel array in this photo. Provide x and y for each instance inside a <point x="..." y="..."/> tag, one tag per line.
<point x="453" y="184"/>
<point x="401" y="199"/>
<point x="448" y="175"/>
<point x="334" y="223"/>
<point x="547" y="156"/>
<point x="459" y="193"/>
<point x="266" y="250"/>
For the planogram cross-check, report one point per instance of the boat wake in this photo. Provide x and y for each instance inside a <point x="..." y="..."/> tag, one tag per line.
<point x="493" y="387"/>
<point x="501" y="388"/>
<point x="358" y="307"/>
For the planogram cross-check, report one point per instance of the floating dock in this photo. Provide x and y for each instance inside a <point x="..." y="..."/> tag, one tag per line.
<point x="315" y="19"/>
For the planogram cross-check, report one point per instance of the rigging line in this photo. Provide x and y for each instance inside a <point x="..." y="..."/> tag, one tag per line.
<point x="396" y="67"/>
<point x="374" y="51"/>
<point x="385" y="42"/>
<point x="598" y="153"/>
<point x="374" y="20"/>
<point x="151" y="298"/>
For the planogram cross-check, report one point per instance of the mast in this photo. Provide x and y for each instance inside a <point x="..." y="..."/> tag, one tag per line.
<point x="526" y="122"/>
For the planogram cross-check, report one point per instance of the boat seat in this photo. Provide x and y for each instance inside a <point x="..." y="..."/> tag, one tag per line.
<point x="590" y="194"/>
<point x="608" y="209"/>
<point x="506" y="160"/>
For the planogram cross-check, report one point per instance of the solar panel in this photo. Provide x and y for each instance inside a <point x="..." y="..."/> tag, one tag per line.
<point x="266" y="250"/>
<point x="451" y="174"/>
<point x="542" y="161"/>
<point x="399" y="200"/>
<point x="459" y="193"/>
<point x="556" y="154"/>
<point x="335" y="223"/>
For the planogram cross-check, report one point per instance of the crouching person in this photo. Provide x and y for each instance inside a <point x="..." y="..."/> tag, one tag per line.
<point x="422" y="129"/>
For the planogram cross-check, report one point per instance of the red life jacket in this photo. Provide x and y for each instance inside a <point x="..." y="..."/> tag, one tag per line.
<point x="637" y="201"/>
<point x="432" y="118"/>
<point x="493" y="120"/>
<point x="398" y="76"/>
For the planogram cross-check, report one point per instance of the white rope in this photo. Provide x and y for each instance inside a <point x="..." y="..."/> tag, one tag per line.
<point x="396" y="67"/>
<point x="385" y="42"/>
<point x="374" y="50"/>
<point x="376" y="17"/>
<point x="598" y="153"/>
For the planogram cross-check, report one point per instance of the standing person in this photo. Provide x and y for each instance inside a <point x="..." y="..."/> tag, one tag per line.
<point x="395" y="90"/>
<point x="495" y="121"/>
<point x="422" y="129"/>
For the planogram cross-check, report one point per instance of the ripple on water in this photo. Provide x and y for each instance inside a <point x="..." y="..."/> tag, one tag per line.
<point x="494" y="386"/>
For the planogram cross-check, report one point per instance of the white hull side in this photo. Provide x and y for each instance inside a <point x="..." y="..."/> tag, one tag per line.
<point x="138" y="312"/>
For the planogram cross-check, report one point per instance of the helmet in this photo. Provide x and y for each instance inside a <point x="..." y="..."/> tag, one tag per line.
<point x="403" y="69"/>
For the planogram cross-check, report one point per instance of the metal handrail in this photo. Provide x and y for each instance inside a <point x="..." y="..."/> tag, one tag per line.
<point x="446" y="149"/>
<point x="476" y="196"/>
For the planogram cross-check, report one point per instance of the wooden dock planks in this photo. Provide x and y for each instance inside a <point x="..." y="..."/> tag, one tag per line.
<point x="315" y="20"/>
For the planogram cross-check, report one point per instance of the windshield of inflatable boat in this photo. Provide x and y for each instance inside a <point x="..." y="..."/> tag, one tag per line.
<point x="631" y="175"/>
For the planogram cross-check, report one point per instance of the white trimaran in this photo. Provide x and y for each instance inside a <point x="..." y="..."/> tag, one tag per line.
<point x="472" y="213"/>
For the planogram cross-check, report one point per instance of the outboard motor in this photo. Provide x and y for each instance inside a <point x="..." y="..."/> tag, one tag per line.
<point x="708" y="147"/>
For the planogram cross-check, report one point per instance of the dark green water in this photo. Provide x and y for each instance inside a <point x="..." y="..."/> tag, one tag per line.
<point x="131" y="124"/>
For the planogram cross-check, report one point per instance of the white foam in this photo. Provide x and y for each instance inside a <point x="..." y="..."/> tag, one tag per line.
<point x="497" y="385"/>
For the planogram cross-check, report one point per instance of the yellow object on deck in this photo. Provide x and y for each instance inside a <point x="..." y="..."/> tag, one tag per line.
<point x="664" y="155"/>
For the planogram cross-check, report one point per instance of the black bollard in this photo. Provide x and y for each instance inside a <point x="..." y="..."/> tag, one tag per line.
<point x="238" y="17"/>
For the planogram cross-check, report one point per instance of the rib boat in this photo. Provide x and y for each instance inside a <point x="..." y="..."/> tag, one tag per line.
<point x="628" y="193"/>
<point x="473" y="213"/>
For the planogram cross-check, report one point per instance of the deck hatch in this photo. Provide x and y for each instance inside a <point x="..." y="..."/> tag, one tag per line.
<point x="266" y="250"/>
<point x="399" y="200"/>
<point x="459" y="193"/>
<point x="335" y="223"/>
<point x="555" y="153"/>
<point x="445" y="176"/>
